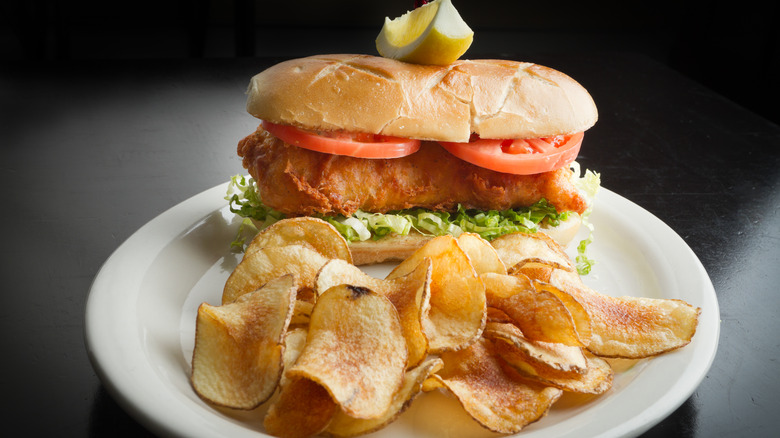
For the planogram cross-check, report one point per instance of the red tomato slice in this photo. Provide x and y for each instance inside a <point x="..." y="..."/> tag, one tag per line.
<point x="520" y="157"/>
<point x="359" y="145"/>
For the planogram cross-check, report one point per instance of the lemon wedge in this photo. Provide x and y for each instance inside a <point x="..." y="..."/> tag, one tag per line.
<point x="434" y="33"/>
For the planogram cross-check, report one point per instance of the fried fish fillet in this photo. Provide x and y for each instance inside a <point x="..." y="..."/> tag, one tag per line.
<point x="299" y="181"/>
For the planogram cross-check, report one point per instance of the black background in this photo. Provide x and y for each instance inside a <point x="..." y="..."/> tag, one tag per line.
<point x="731" y="47"/>
<point x="113" y="112"/>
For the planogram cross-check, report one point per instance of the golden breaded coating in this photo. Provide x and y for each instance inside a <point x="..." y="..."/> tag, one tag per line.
<point x="299" y="181"/>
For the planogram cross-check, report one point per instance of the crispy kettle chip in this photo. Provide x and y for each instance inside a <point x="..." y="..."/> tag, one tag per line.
<point x="537" y="269"/>
<point x="518" y="248"/>
<point x="355" y="349"/>
<point x="457" y="314"/>
<point x="303" y="409"/>
<point x="409" y="294"/>
<point x="540" y="314"/>
<point x="482" y="254"/>
<point x="555" y="356"/>
<point x="294" y="340"/>
<point x="237" y="360"/>
<point x="311" y="232"/>
<point x="491" y="392"/>
<point x="431" y="384"/>
<point x="631" y="327"/>
<point x="497" y="315"/>
<point x="597" y="378"/>
<point x="301" y="313"/>
<point x="579" y="314"/>
<point x="345" y="426"/>
<point x="265" y="264"/>
<point x="569" y="368"/>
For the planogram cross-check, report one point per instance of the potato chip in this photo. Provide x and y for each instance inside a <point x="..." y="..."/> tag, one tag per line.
<point x="343" y="425"/>
<point x="265" y="264"/>
<point x="491" y="392"/>
<point x="311" y="232"/>
<point x="432" y="384"/>
<point x="294" y="341"/>
<point x="355" y="349"/>
<point x="538" y="313"/>
<point x="237" y="360"/>
<point x="412" y="301"/>
<point x="579" y="314"/>
<point x="631" y="327"/>
<point x="457" y="303"/>
<point x="555" y="356"/>
<point x="307" y="294"/>
<point x="518" y="248"/>
<point x="568" y="368"/>
<point x="409" y="294"/>
<point x="302" y="313"/>
<point x="497" y="315"/>
<point x="304" y="408"/>
<point x="536" y="268"/>
<point x="597" y="378"/>
<point x="482" y="254"/>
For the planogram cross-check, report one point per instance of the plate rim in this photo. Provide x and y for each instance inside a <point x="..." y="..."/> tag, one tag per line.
<point x="208" y="201"/>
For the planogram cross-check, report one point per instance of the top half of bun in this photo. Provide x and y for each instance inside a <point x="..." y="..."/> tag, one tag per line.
<point x="361" y="93"/>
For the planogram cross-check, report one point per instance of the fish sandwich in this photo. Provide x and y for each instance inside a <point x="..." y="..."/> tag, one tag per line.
<point x="393" y="153"/>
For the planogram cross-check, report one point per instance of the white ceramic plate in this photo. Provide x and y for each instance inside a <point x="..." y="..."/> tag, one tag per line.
<point x="140" y="322"/>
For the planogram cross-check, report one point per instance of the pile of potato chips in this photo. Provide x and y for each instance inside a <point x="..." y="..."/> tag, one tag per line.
<point x="506" y="327"/>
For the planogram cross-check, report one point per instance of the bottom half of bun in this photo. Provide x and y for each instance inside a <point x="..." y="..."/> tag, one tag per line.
<point x="395" y="247"/>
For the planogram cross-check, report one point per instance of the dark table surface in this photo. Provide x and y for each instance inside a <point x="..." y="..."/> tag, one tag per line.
<point x="91" y="151"/>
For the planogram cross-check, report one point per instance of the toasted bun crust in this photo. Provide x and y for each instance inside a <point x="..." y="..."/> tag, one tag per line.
<point x="361" y="93"/>
<point x="397" y="247"/>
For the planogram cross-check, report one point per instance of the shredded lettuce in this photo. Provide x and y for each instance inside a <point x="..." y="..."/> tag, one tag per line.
<point x="583" y="262"/>
<point x="245" y="232"/>
<point x="588" y="183"/>
<point x="245" y="202"/>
